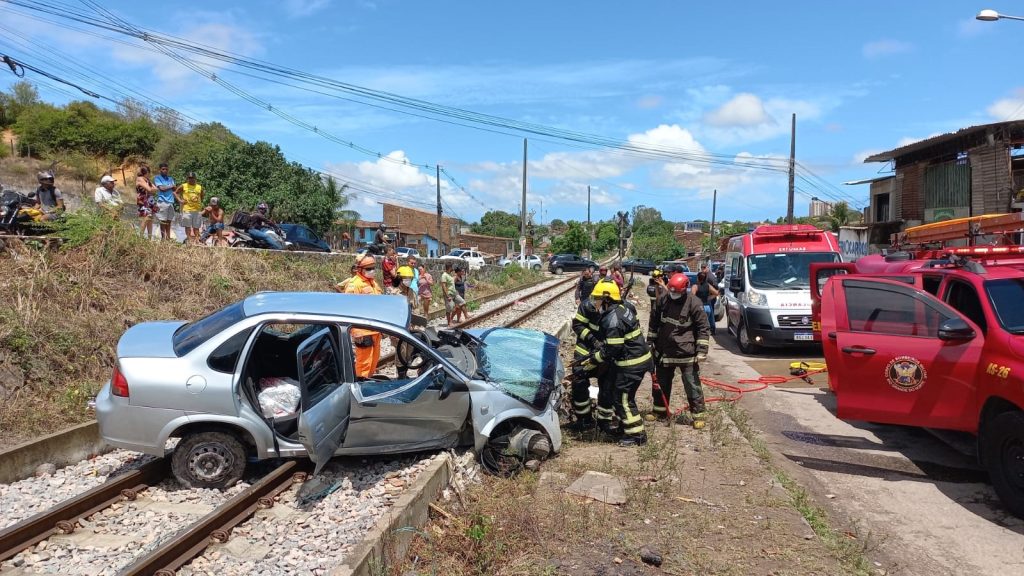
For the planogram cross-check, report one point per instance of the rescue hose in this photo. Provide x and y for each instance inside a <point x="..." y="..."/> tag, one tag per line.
<point x="733" y="392"/>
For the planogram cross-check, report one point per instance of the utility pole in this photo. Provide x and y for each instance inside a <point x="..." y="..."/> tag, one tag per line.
<point x="522" y="213"/>
<point x="714" y="205"/>
<point x="590" y="229"/>
<point x="792" y="172"/>
<point x="438" y="179"/>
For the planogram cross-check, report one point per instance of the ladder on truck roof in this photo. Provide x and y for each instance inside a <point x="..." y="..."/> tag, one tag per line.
<point x="960" y="228"/>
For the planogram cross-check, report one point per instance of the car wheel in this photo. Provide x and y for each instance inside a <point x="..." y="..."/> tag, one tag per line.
<point x="209" y="460"/>
<point x="559" y="270"/>
<point x="720" y="315"/>
<point x="536" y="267"/>
<point x="746" y="343"/>
<point x="1002" y="443"/>
<point x="242" y="244"/>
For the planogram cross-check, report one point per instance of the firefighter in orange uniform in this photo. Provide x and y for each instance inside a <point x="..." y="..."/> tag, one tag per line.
<point x="367" y="342"/>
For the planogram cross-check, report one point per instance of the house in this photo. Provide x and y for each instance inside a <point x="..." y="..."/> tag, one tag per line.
<point x="496" y="245"/>
<point x="690" y="239"/>
<point x="818" y="208"/>
<point x="421" y="225"/>
<point x="363" y="232"/>
<point x="972" y="171"/>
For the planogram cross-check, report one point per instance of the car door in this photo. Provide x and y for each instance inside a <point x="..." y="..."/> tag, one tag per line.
<point x="326" y="397"/>
<point x="893" y="357"/>
<point x="410" y="411"/>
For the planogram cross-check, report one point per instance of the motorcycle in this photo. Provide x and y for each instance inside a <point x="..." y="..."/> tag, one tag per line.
<point x="242" y="239"/>
<point x="17" y="214"/>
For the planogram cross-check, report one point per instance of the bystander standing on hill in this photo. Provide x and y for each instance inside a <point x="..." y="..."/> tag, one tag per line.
<point x="426" y="286"/>
<point x="216" y="228"/>
<point x="165" y="198"/>
<point x="107" y="197"/>
<point x="145" y="200"/>
<point x="191" y="194"/>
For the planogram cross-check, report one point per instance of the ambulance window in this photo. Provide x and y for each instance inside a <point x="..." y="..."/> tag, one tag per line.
<point x="884" y="310"/>
<point x="931" y="284"/>
<point x="963" y="298"/>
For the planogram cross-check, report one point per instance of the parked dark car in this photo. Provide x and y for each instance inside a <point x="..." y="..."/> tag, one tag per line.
<point x="304" y="239"/>
<point x="671" y="267"/>
<point x="639" y="265"/>
<point x="569" y="263"/>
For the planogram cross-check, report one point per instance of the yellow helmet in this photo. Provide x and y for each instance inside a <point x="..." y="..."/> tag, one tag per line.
<point x="606" y="289"/>
<point x="405" y="272"/>
<point x="656" y="272"/>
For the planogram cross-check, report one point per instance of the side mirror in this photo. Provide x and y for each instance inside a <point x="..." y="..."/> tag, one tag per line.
<point x="736" y="284"/>
<point x="955" y="329"/>
<point x="447" y="384"/>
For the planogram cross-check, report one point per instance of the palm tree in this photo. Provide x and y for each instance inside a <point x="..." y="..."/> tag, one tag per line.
<point x="839" y="215"/>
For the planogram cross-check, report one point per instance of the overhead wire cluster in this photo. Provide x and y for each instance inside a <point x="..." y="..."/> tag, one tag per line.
<point x="59" y="12"/>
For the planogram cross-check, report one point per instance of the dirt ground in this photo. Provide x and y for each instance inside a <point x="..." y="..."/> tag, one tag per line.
<point x="707" y="502"/>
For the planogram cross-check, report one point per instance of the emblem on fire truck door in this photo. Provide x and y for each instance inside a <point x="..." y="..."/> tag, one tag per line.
<point x="905" y="373"/>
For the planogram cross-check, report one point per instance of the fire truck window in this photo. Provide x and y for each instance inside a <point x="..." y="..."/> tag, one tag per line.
<point x="931" y="284"/>
<point x="963" y="298"/>
<point x="1006" y="296"/>
<point x="885" y="311"/>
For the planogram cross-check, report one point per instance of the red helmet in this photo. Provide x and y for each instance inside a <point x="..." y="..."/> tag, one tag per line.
<point x="678" y="283"/>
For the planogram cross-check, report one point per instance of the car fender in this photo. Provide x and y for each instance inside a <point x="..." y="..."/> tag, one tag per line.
<point x="258" y="435"/>
<point x="546" y="421"/>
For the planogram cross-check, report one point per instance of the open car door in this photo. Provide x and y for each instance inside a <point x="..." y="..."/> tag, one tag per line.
<point x="898" y="355"/>
<point x="820" y="273"/>
<point x="325" y="397"/>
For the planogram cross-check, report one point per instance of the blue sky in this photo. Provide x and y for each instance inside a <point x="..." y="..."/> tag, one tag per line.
<point x="861" y="76"/>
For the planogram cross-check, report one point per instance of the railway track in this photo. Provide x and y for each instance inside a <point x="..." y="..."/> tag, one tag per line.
<point x="166" y="557"/>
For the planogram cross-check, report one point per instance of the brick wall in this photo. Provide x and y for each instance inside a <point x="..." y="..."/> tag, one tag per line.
<point x="911" y="192"/>
<point x="489" y="244"/>
<point x="412" y="221"/>
<point x="991" y="179"/>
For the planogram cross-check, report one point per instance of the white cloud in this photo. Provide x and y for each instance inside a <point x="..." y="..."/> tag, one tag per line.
<point x="300" y="8"/>
<point x="650" y="102"/>
<point x="886" y="47"/>
<point x="1011" y="108"/>
<point x="743" y="110"/>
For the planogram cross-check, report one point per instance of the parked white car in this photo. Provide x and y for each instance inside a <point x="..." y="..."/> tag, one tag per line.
<point x="533" y="261"/>
<point x="472" y="257"/>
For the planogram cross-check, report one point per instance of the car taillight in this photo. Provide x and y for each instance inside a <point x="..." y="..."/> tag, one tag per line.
<point x="118" y="384"/>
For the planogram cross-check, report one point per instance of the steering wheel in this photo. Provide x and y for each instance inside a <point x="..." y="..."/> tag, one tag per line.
<point x="410" y="356"/>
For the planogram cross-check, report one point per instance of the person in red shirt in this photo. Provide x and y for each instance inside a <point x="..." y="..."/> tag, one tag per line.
<point x="389" y="266"/>
<point x="617" y="275"/>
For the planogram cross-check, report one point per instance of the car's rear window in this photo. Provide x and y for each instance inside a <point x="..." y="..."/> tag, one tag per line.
<point x="191" y="335"/>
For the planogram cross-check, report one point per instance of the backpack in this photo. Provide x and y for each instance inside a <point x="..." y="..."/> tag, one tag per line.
<point x="241" y="220"/>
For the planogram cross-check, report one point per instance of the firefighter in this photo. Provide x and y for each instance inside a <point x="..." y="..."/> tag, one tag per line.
<point x="367" y="342"/>
<point x="627" y="358"/>
<point x="680" y="336"/>
<point x="585" y="324"/>
<point x="655" y="286"/>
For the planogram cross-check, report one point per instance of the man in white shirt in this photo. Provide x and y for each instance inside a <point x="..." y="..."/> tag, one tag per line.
<point x="107" y="198"/>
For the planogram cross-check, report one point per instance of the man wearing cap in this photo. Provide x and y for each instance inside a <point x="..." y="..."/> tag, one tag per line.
<point x="165" y="198"/>
<point x="107" y="198"/>
<point x="190" y="194"/>
<point x="366" y="342"/>
<point x="216" y="228"/>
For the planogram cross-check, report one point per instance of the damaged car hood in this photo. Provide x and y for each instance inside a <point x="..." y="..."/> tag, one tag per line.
<point x="524" y="364"/>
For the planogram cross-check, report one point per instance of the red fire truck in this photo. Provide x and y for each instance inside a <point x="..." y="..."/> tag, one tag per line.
<point x="933" y="337"/>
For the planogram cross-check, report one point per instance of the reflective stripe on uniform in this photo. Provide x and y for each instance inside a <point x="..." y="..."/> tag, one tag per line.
<point x="582" y="318"/>
<point x="597" y="357"/>
<point x="675" y="322"/>
<point x="604" y="413"/>
<point x="632" y="423"/>
<point x="583" y="333"/>
<point x="703" y="341"/>
<point x="688" y="360"/>
<point x="615" y="341"/>
<point x="659" y="408"/>
<point x="581" y="350"/>
<point x="652" y="333"/>
<point x="634" y="361"/>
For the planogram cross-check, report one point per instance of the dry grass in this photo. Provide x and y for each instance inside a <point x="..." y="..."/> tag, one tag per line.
<point x="65" y="310"/>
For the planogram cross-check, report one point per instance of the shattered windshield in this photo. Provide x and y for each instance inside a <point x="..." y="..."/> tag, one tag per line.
<point x="791" y="270"/>
<point x="522" y="363"/>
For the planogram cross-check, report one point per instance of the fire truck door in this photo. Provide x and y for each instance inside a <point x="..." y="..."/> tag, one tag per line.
<point x="901" y="356"/>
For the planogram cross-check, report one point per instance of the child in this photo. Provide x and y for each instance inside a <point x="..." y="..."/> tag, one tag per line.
<point x="216" y="228"/>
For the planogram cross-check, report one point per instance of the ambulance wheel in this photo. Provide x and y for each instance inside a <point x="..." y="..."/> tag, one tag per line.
<point x="747" y="345"/>
<point x="1003" y="445"/>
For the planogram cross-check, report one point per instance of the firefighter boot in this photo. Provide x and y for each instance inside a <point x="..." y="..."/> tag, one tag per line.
<point x="633" y="439"/>
<point x="581" y="424"/>
<point x="609" y="429"/>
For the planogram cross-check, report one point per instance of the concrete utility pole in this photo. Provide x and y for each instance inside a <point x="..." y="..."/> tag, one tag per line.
<point x="590" y="229"/>
<point x="714" y="204"/>
<point x="522" y="213"/>
<point x="792" y="172"/>
<point x="439" y="248"/>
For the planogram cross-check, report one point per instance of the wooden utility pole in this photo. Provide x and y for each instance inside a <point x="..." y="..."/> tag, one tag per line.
<point x="792" y="172"/>
<point x="438" y="179"/>
<point x="522" y="212"/>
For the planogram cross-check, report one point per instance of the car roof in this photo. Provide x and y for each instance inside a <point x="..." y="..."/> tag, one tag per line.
<point x="392" y="310"/>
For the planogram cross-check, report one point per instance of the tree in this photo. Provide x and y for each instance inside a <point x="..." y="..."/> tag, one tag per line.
<point x="557" y="225"/>
<point x="839" y="215"/>
<point x="645" y="215"/>
<point x="497" y="223"/>
<point x="573" y="241"/>
<point x="606" y="236"/>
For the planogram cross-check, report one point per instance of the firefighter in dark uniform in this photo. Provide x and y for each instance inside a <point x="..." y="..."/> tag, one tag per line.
<point x="585" y="285"/>
<point x="680" y="336"/>
<point x="627" y="358"/>
<point x="655" y="286"/>
<point x="585" y="326"/>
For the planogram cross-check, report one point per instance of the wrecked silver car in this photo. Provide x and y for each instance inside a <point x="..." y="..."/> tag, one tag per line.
<point x="273" y="376"/>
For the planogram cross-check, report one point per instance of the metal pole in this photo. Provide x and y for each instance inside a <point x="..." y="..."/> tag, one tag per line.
<point x="792" y="172"/>
<point x="438" y="179"/>
<point x="714" y="205"/>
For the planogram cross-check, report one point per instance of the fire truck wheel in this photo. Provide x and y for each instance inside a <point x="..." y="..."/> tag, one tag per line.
<point x="1003" y="443"/>
<point x="747" y="345"/>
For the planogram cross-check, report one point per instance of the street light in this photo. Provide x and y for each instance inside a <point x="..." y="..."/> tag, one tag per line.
<point x="991" y="16"/>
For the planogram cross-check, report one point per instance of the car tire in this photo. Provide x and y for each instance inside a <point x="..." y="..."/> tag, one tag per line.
<point x="559" y="270"/>
<point x="1002" y="445"/>
<point x="720" y="315"/>
<point x="209" y="460"/>
<point x="242" y="244"/>
<point x="745" y="342"/>
<point x="536" y="267"/>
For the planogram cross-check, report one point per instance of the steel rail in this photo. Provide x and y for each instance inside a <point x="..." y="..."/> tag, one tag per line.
<point x="62" y="518"/>
<point x="216" y="526"/>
